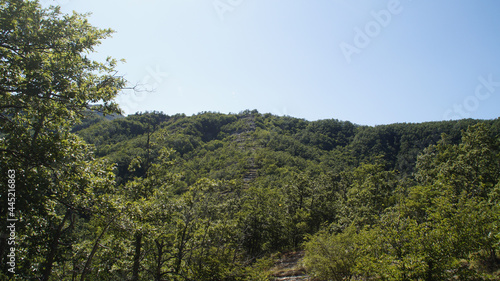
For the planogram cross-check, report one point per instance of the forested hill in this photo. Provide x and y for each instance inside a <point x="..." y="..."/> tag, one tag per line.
<point x="233" y="196"/>
<point x="228" y="146"/>
<point x="237" y="196"/>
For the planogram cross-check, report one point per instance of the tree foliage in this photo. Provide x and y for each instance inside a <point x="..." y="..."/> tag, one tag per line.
<point x="443" y="229"/>
<point x="47" y="82"/>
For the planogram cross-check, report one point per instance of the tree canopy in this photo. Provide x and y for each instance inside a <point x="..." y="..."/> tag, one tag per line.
<point x="47" y="82"/>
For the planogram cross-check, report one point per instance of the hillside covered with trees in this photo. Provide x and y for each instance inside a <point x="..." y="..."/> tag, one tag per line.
<point x="363" y="201"/>
<point x="222" y="196"/>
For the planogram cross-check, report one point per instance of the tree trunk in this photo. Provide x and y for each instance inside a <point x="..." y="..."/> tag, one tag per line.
<point x="159" y="246"/>
<point x="94" y="250"/>
<point x="137" y="256"/>
<point x="49" y="261"/>
<point x="180" y="252"/>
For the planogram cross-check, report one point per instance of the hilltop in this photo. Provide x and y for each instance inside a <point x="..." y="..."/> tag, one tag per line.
<point x="242" y="146"/>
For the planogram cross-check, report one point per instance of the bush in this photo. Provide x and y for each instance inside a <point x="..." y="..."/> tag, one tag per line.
<point x="331" y="257"/>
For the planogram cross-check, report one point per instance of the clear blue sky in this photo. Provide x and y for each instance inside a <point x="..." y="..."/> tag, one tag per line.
<point x="368" y="62"/>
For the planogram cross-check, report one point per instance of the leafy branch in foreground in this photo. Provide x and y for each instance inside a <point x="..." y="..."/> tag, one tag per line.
<point x="47" y="82"/>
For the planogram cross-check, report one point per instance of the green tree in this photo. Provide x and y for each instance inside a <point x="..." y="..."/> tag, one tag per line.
<point x="47" y="82"/>
<point x="298" y="204"/>
<point x="261" y="221"/>
<point x="369" y="192"/>
<point x="331" y="256"/>
<point x="472" y="166"/>
<point x="446" y="232"/>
